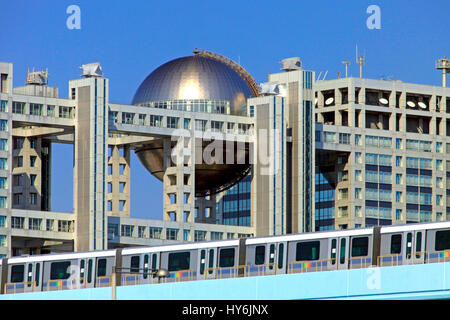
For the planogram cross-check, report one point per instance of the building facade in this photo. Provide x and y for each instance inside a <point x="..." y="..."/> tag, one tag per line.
<point x="335" y="154"/>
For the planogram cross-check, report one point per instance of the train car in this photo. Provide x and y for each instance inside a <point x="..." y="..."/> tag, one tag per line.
<point x="326" y="250"/>
<point x="413" y="243"/>
<point x="189" y="261"/>
<point x="58" y="271"/>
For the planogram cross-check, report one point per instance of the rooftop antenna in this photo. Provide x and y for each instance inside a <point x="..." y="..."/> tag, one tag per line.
<point x="444" y="65"/>
<point x="346" y="62"/>
<point x="325" y="75"/>
<point x="39" y="78"/>
<point x="359" y="60"/>
<point x="318" y="77"/>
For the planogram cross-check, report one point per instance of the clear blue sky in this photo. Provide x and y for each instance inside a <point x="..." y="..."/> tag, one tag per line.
<point x="131" y="38"/>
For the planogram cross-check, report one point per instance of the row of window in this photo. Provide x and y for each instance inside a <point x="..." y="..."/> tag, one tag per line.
<point x="194" y="105"/>
<point x="38" y="110"/>
<point x="176" y="123"/>
<point x="37" y="224"/>
<point x="171" y="233"/>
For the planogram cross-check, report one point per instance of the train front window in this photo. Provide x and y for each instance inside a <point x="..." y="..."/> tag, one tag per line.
<point x="59" y="270"/>
<point x="226" y="258"/>
<point x="179" y="261"/>
<point x="17" y="273"/>
<point x="360" y="246"/>
<point x="396" y="244"/>
<point x="307" y="251"/>
<point x="442" y="241"/>
<point x="260" y="252"/>
<point x="101" y="268"/>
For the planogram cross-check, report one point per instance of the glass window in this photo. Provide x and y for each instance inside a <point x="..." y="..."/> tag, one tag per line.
<point x="280" y="255"/>
<point x="418" y="244"/>
<point x="179" y="261"/>
<point x="145" y="266"/>
<point x="226" y="258"/>
<point x="442" y="241"/>
<point x="360" y="246"/>
<point x="101" y="268"/>
<point x="37" y="274"/>
<point x="90" y="270"/>
<point x="134" y="264"/>
<point x="260" y="252"/>
<point x="211" y="260"/>
<point x="342" y="252"/>
<point x="59" y="270"/>
<point x="307" y="251"/>
<point x="17" y="273"/>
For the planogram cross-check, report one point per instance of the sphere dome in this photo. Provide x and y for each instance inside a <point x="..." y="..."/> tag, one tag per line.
<point x="194" y="77"/>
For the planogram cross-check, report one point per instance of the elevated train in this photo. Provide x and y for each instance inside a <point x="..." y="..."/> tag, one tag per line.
<point x="318" y="251"/>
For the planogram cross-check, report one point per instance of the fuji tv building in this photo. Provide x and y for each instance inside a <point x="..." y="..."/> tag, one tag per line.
<point x="235" y="159"/>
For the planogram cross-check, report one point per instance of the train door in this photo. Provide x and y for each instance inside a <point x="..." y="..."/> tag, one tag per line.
<point x="414" y="247"/>
<point x="38" y="274"/>
<point x="271" y="261"/>
<point x="82" y="273"/>
<point x="207" y="263"/>
<point x="343" y="244"/>
<point x="89" y="274"/>
<point x="280" y="257"/>
<point x="333" y="253"/>
<point x="29" y="285"/>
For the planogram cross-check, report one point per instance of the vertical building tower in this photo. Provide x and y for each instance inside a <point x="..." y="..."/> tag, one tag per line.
<point x="283" y="188"/>
<point x="91" y="156"/>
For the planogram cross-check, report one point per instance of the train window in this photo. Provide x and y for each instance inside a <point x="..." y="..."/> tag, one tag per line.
<point x="342" y="252"/>
<point x="418" y="244"/>
<point x="396" y="244"/>
<point x="280" y="255"/>
<point x="307" y="251"/>
<point x="202" y="261"/>
<point x="226" y="258"/>
<point x="59" y="270"/>
<point x="101" y="268"/>
<point x="30" y="274"/>
<point x="37" y="274"/>
<point x="17" y="273"/>
<point x="211" y="260"/>
<point x="333" y="251"/>
<point x="134" y="265"/>
<point x="89" y="270"/>
<point x="360" y="246"/>
<point x="145" y="266"/>
<point x="82" y="271"/>
<point x="442" y="241"/>
<point x="260" y="252"/>
<point x="154" y="261"/>
<point x="179" y="261"/>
